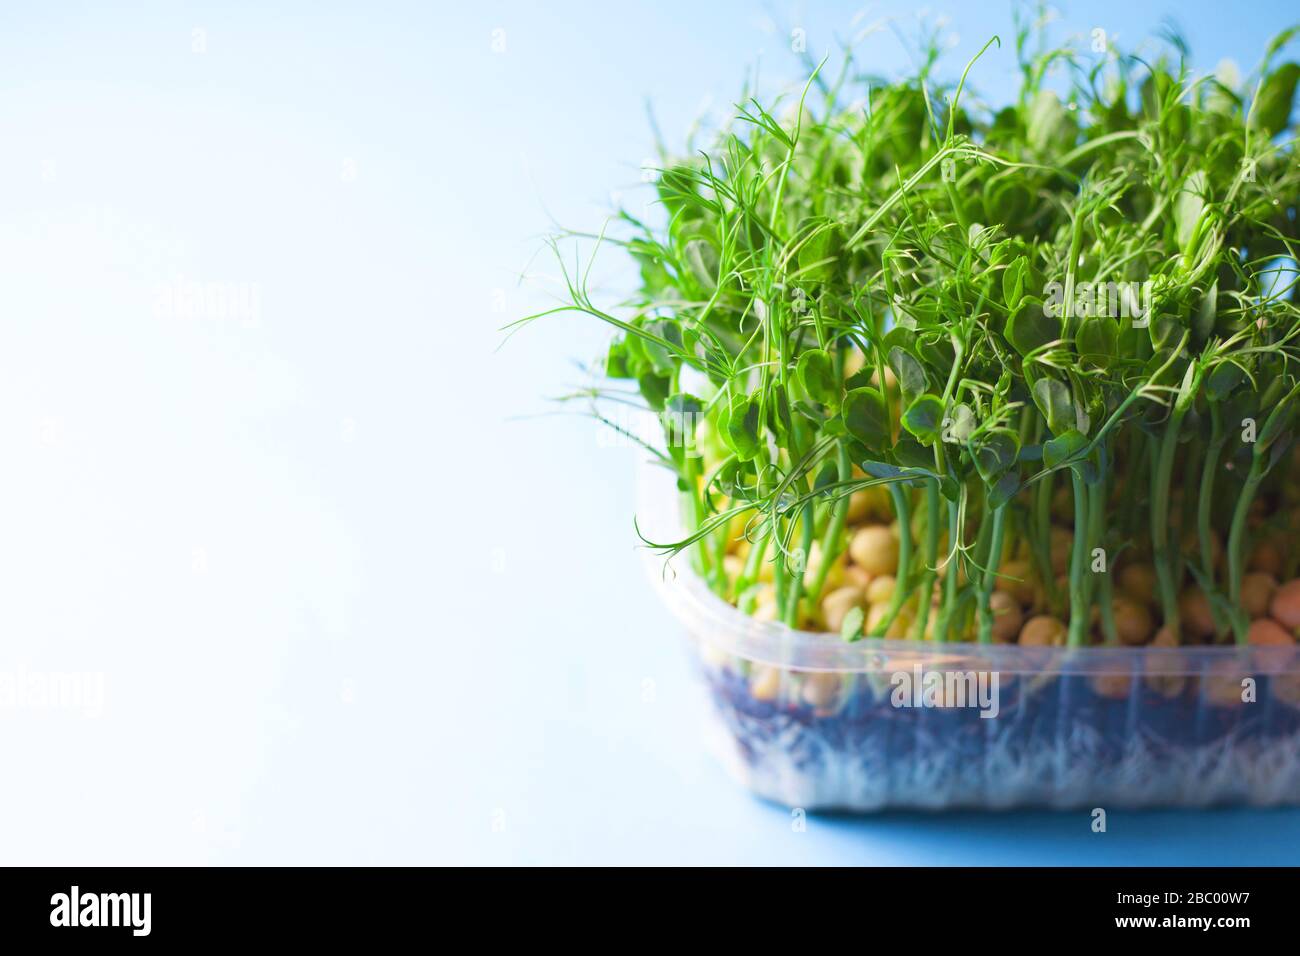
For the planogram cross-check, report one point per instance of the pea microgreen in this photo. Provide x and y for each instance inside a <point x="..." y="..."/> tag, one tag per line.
<point x="1044" y="333"/>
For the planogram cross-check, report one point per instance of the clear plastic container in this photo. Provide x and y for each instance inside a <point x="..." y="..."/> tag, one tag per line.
<point x="811" y="721"/>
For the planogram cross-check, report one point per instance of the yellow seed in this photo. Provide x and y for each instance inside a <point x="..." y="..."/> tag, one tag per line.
<point x="1133" y="621"/>
<point x="1042" y="631"/>
<point x="1163" y="670"/>
<point x="765" y="683"/>
<point x="1007" y="617"/>
<point x="1265" y="557"/>
<point x="856" y="576"/>
<point x="1194" y="610"/>
<point x="834" y="574"/>
<point x="1257" y="589"/>
<point x="899" y="627"/>
<point x="1223" y="683"/>
<point x="881" y="589"/>
<point x="859" y="506"/>
<point x="1268" y="633"/>
<point x="874" y="549"/>
<point x="1138" y="581"/>
<point x="838" y="603"/>
<point x="1016" y="578"/>
<point x="1285" y="606"/>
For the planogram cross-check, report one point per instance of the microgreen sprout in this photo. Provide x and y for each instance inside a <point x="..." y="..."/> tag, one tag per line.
<point x="1037" y="346"/>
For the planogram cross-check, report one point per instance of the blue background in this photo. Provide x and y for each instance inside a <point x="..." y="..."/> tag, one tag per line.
<point x="355" y="596"/>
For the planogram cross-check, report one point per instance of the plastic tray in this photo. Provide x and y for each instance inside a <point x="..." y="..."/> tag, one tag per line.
<point x="811" y="721"/>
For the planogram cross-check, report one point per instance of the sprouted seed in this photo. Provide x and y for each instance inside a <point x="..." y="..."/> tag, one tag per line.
<point x="933" y="370"/>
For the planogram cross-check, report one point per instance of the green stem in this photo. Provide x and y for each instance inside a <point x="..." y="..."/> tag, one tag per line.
<point x="944" y="619"/>
<point x="795" y="587"/>
<point x="699" y="553"/>
<point x="1165" y="558"/>
<point x="901" y="591"/>
<point x="778" y="569"/>
<point x="1104" y="585"/>
<point x="831" y="541"/>
<point x="1236" y="541"/>
<point x="992" y="562"/>
<point x="1204" y="530"/>
<point x="1042" y="542"/>
<point x="1079" y="604"/>
<point x="925" y="588"/>
<point x="757" y="549"/>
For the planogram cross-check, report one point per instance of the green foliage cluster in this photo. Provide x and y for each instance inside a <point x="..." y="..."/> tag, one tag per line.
<point x="880" y="284"/>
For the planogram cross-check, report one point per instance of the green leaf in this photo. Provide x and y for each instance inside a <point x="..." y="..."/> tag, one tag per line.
<point x="1050" y="127"/>
<point x="677" y="188"/>
<point x="1277" y="451"/>
<point x="1189" y="207"/>
<point x="900" y="337"/>
<point x="1097" y="340"/>
<point x="1008" y="201"/>
<point x="1164" y="331"/>
<point x="1225" y="377"/>
<point x="834" y="428"/>
<point x="910" y="373"/>
<point x="654" y="389"/>
<point x="1090" y="469"/>
<point x="866" y="416"/>
<point x="742" y="433"/>
<point x="680" y="414"/>
<point x="996" y="453"/>
<point x="616" y="360"/>
<point x="851" y="629"/>
<point x="827" y="476"/>
<point x="910" y="476"/>
<point x="1053" y="399"/>
<point x="1279" y="419"/>
<point x="911" y="453"/>
<point x="702" y="260"/>
<point x="924" y="418"/>
<point x="1272" y="109"/>
<point x="663" y="361"/>
<point x="1004" y="489"/>
<point x="1029" y="329"/>
<point x="779" y="419"/>
<point x="1206" y="313"/>
<point x="958" y="427"/>
<point x="816" y="372"/>
<point x="818" y="256"/>
<point x="1013" y="283"/>
<point x="1063" y="448"/>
